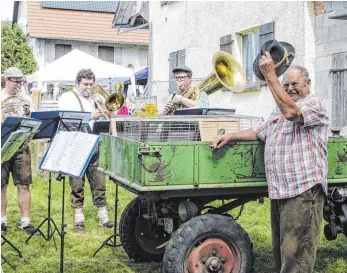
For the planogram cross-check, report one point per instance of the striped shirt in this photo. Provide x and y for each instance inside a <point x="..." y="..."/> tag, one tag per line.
<point x="296" y="153"/>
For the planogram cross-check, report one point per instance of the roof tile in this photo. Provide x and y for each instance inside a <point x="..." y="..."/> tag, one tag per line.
<point x="78" y="25"/>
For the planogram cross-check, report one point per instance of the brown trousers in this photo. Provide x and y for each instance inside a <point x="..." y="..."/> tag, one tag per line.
<point x="96" y="181"/>
<point x="20" y="167"/>
<point x="296" y="224"/>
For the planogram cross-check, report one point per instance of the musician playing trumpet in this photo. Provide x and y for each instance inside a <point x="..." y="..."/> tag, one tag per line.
<point x="187" y="95"/>
<point x="15" y="102"/>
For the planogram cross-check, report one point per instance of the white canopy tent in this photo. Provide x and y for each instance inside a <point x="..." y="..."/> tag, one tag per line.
<point x="66" y="68"/>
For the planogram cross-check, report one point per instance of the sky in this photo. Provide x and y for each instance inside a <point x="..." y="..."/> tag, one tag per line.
<point x="6" y="10"/>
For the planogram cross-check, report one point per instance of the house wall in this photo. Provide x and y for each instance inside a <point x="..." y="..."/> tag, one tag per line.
<point x="331" y="53"/>
<point x="198" y="26"/>
<point x="44" y="49"/>
<point x="134" y="55"/>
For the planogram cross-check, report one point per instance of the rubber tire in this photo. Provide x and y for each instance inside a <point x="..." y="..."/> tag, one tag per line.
<point x="128" y="238"/>
<point x="183" y="239"/>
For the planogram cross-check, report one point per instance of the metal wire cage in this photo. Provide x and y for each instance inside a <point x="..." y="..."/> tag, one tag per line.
<point x="179" y="128"/>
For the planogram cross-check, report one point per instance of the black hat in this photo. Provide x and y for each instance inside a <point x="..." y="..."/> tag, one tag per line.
<point x="282" y="54"/>
<point x="182" y="69"/>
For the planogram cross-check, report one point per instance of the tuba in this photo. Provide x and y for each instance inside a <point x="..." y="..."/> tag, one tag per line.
<point x="113" y="102"/>
<point x="13" y="106"/>
<point x="227" y="72"/>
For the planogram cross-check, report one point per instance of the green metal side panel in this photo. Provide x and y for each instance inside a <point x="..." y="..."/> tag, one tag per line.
<point x="194" y="163"/>
<point x="174" y="166"/>
<point x="120" y="156"/>
<point x="239" y="163"/>
<point x="337" y="158"/>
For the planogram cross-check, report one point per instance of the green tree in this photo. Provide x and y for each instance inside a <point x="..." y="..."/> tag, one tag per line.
<point x="15" y="50"/>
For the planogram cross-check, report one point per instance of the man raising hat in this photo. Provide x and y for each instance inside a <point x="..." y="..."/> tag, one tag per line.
<point x="296" y="163"/>
<point x="187" y="95"/>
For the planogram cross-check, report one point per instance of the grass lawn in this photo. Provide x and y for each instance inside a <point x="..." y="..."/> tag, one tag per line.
<point x="41" y="256"/>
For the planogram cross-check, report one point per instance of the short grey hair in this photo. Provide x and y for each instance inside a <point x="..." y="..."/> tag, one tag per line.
<point x="304" y="71"/>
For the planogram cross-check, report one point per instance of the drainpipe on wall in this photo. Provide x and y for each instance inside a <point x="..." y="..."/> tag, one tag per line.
<point x="15" y="12"/>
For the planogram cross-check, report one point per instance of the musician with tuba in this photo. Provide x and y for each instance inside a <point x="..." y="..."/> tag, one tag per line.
<point x="187" y="95"/>
<point x="81" y="99"/>
<point x="15" y="103"/>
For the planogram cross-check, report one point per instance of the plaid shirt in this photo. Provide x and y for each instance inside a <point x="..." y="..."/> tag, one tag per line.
<point x="296" y="153"/>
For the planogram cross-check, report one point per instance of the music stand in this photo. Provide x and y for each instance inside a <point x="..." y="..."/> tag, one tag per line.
<point x="50" y="121"/>
<point x="13" y="247"/>
<point x="103" y="127"/>
<point x="53" y="121"/>
<point x="113" y="238"/>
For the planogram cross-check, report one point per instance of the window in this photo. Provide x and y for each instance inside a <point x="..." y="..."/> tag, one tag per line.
<point x="176" y="58"/>
<point x="250" y="49"/>
<point x="252" y="40"/>
<point x="226" y="44"/>
<point x="106" y="53"/>
<point x="61" y="50"/>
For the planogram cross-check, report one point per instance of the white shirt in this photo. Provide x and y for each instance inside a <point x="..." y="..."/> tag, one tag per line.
<point x="69" y="102"/>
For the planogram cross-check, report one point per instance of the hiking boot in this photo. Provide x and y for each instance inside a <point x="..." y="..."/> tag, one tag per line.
<point x="3" y="228"/>
<point x="30" y="229"/>
<point x="79" y="227"/>
<point x="108" y="224"/>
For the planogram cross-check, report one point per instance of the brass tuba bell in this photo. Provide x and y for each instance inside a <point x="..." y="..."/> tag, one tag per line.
<point x="227" y="72"/>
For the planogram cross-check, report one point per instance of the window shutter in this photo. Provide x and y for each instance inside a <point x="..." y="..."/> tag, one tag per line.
<point x="172" y="62"/>
<point x="106" y="53"/>
<point x="118" y="55"/>
<point x="266" y="33"/>
<point x="226" y="43"/>
<point x="61" y="50"/>
<point x="142" y="53"/>
<point x="181" y="57"/>
<point x="339" y="93"/>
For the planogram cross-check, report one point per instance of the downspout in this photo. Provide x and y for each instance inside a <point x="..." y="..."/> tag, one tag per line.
<point x="15" y="12"/>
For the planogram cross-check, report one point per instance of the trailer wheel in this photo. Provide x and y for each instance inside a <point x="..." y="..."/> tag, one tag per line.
<point x="139" y="237"/>
<point x="209" y="243"/>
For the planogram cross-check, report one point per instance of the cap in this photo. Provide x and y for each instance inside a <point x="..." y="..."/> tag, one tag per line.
<point x="13" y="72"/>
<point x="182" y="69"/>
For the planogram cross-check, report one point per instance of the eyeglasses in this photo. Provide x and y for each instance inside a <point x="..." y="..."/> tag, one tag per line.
<point x="180" y="78"/>
<point x="17" y="82"/>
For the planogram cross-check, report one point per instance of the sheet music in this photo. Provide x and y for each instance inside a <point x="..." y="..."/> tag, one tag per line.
<point x="77" y="152"/>
<point x="69" y="152"/>
<point x="32" y="126"/>
<point x="13" y="143"/>
<point x="73" y="120"/>
<point x="56" y="151"/>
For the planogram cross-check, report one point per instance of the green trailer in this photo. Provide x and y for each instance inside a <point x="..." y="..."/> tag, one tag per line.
<point x="169" y="164"/>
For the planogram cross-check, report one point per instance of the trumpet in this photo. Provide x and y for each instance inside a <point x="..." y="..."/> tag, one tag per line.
<point x="113" y="102"/>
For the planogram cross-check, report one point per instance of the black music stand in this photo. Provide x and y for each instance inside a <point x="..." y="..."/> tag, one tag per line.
<point x="53" y="121"/>
<point x="50" y="122"/>
<point x="103" y="127"/>
<point x="4" y="260"/>
<point x="112" y="240"/>
<point x="63" y="225"/>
